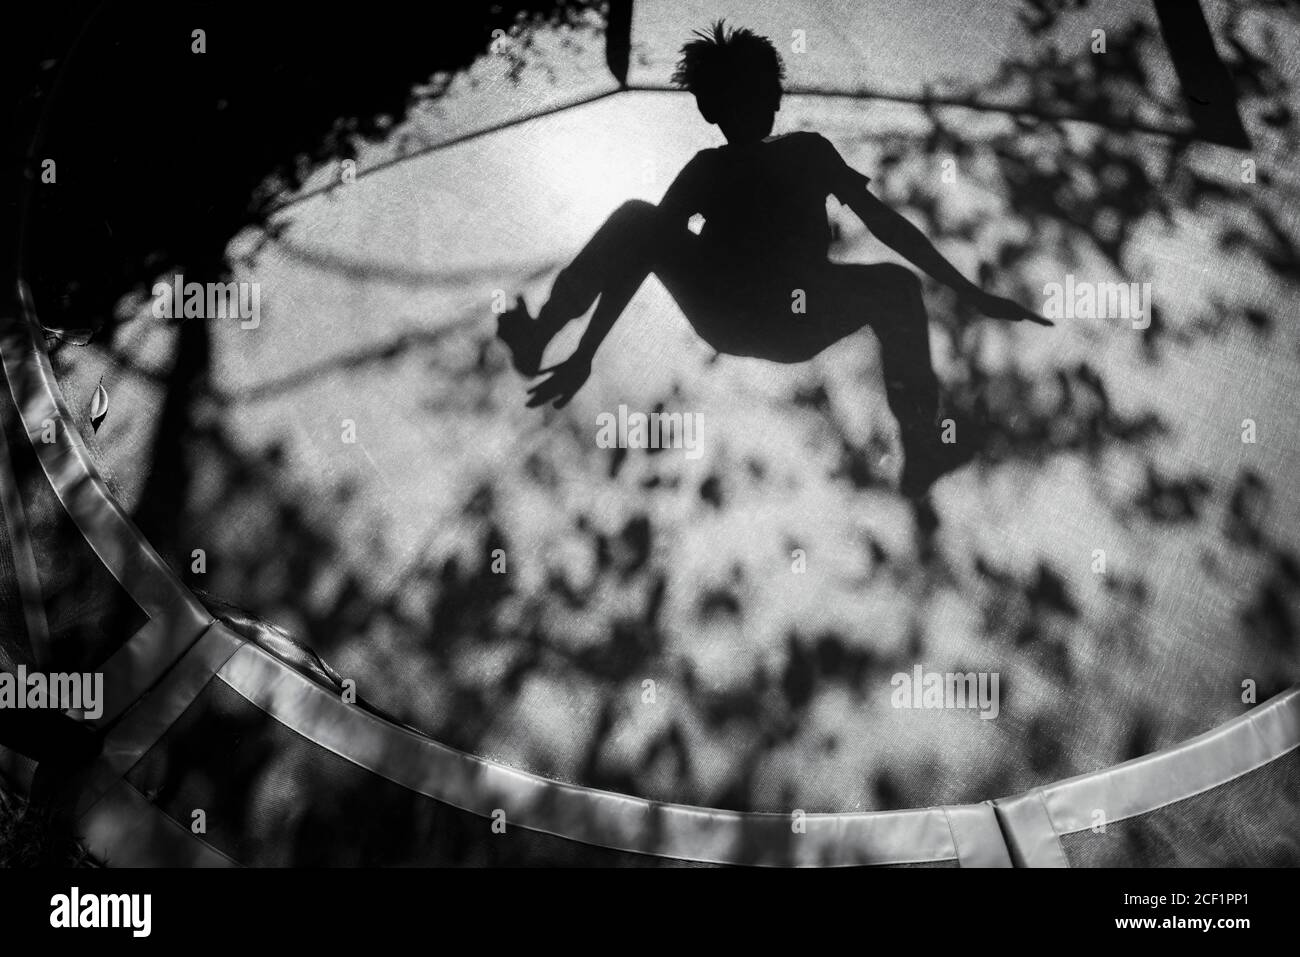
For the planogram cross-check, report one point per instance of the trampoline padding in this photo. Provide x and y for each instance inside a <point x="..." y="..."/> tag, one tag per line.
<point x="1247" y="822"/>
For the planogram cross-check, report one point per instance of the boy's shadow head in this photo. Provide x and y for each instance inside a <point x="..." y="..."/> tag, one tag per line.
<point x="735" y="76"/>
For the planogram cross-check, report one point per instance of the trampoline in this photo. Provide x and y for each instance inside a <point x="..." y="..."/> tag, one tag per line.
<point x="357" y="602"/>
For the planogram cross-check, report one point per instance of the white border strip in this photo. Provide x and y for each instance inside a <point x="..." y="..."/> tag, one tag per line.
<point x="142" y="726"/>
<point x="176" y="616"/>
<point x="977" y="836"/>
<point x="1034" y="822"/>
<point x="598" y="817"/>
<point x="1148" y="783"/>
<point x="1031" y="839"/>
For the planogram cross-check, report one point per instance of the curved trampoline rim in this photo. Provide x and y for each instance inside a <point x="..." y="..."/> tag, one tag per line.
<point x="1029" y="825"/>
<point x="176" y="618"/>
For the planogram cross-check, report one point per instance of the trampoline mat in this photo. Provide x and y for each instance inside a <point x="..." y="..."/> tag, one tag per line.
<point x="737" y="628"/>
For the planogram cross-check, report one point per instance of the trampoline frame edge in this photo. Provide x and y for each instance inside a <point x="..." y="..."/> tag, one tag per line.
<point x="176" y="618"/>
<point x="1035" y="821"/>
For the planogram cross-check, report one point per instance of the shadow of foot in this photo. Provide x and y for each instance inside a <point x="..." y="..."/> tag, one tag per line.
<point x="519" y="331"/>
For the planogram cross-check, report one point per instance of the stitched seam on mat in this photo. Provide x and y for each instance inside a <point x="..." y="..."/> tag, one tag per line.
<point x="1051" y="826"/>
<point x="212" y="673"/>
<point x="956" y="847"/>
<point x="177" y="824"/>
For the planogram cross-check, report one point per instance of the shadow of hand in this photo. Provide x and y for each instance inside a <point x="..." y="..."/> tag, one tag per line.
<point x="565" y="379"/>
<point x="998" y="307"/>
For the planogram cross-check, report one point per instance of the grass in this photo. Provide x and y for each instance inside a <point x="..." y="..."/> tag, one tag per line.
<point x="32" y="835"/>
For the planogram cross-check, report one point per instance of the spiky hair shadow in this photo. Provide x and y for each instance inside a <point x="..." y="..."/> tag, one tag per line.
<point x="723" y="56"/>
